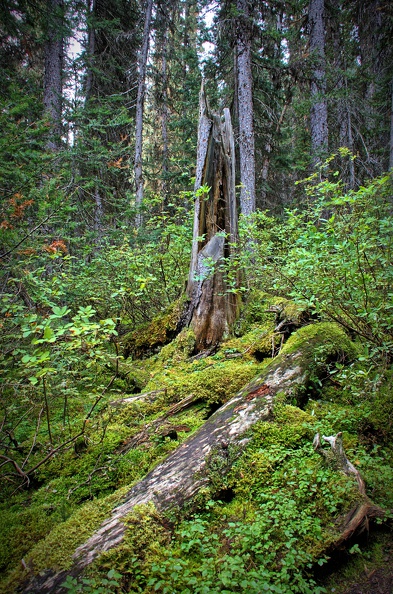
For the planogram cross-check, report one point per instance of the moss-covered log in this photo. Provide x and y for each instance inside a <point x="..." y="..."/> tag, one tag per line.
<point x="185" y="471"/>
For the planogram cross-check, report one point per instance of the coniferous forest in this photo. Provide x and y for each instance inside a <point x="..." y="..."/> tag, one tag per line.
<point x="196" y="250"/>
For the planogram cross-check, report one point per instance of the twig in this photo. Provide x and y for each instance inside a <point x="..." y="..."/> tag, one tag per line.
<point x="26" y="236"/>
<point x="35" y="437"/>
<point x="27" y="473"/>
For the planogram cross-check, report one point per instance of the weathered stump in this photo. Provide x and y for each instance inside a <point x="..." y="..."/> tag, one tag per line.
<point x="212" y="309"/>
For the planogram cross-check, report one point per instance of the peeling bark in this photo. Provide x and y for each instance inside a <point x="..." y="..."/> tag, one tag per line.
<point x="184" y="472"/>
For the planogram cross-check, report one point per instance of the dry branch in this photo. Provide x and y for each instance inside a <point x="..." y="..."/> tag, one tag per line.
<point x="357" y="519"/>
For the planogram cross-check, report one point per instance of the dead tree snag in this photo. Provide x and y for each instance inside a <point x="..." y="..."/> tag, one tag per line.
<point x="211" y="308"/>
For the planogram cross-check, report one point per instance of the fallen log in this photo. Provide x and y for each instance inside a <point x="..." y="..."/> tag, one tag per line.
<point x="146" y="396"/>
<point x="185" y="471"/>
<point x="144" y="435"/>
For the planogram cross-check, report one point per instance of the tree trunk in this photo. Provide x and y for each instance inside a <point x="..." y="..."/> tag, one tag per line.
<point x="91" y="42"/>
<point x="212" y="309"/>
<point x="318" y="115"/>
<point x="53" y="79"/>
<point x="246" y="110"/>
<point x="391" y="132"/>
<point x="185" y="471"/>
<point x="164" y="117"/>
<point x="139" y="112"/>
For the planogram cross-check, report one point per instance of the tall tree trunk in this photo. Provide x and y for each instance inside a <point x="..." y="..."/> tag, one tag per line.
<point x="53" y="79"/>
<point x="139" y="111"/>
<point x="164" y="117"/>
<point x="212" y="309"/>
<point x="246" y="109"/>
<point x="91" y="42"/>
<point x="318" y="115"/>
<point x="391" y="132"/>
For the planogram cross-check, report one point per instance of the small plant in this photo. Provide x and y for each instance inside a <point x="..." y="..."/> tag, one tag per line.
<point x="106" y="585"/>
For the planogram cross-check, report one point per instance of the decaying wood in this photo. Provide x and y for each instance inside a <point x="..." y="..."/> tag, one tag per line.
<point x="149" y="396"/>
<point x="184" y="472"/>
<point x="338" y="454"/>
<point x="212" y="309"/>
<point x="149" y="428"/>
<point x="357" y="519"/>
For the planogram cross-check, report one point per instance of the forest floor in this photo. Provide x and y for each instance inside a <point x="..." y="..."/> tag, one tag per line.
<point x="277" y="493"/>
<point x="371" y="575"/>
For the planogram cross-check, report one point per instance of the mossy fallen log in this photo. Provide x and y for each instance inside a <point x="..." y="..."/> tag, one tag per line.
<point x="179" y="478"/>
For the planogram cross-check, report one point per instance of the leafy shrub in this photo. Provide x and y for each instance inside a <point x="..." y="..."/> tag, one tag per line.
<point x="340" y="264"/>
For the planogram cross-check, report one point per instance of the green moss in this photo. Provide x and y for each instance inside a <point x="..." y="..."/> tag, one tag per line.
<point x="147" y="534"/>
<point x="336" y="342"/>
<point x="179" y="349"/>
<point x="381" y="414"/>
<point x="21" y="528"/>
<point x="146" y="339"/>
<point x="353" y="573"/>
<point x="208" y="379"/>
<point x="258" y="342"/>
<point x="263" y="308"/>
<point x="56" y="550"/>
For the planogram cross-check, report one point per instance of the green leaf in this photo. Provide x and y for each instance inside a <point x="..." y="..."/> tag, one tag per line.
<point x="49" y="334"/>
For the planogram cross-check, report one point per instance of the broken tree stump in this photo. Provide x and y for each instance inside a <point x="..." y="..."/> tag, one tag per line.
<point x="212" y="309"/>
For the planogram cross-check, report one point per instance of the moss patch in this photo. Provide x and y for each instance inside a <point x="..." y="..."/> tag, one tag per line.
<point x="56" y="550"/>
<point x="145" y="340"/>
<point x="211" y="380"/>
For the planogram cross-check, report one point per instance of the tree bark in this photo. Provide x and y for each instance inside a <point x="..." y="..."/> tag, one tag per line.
<point x="53" y="79"/>
<point x="357" y="519"/>
<point x="164" y="117"/>
<point x="139" y="112"/>
<point x="212" y="309"/>
<point x="185" y="471"/>
<point x="318" y="115"/>
<point x="246" y="109"/>
<point x="391" y="132"/>
<point x="91" y="43"/>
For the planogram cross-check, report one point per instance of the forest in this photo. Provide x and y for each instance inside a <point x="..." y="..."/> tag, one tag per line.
<point x="196" y="274"/>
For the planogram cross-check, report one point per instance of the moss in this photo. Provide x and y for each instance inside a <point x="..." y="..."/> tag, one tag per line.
<point x="179" y="349"/>
<point x="209" y="380"/>
<point x="368" y="568"/>
<point x="263" y="308"/>
<point x="254" y="311"/>
<point x="56" y="550"/>
<point x="381" y="414"/>
<point x="147" y="535"/>
<point x="21" y="528"/>
<point x="145" y="340"/>
<point x="258" y="342"/>
<point x="336" y="342"/>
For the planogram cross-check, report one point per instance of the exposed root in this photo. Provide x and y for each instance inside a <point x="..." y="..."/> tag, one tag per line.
<point x="357" y="520"/>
